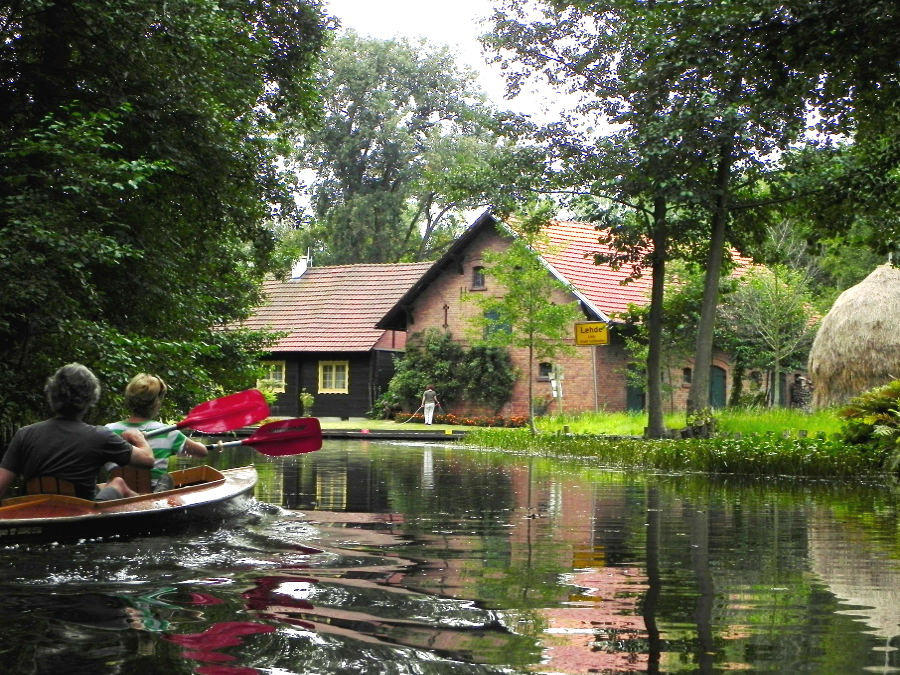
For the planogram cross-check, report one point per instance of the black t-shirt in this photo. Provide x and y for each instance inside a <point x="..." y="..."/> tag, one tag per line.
<point x="67" y="449"/>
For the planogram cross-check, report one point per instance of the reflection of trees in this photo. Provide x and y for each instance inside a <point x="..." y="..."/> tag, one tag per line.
<point x="649" y="605"/>
<point x="734" y="586"/>
<point x="727" y="562"/>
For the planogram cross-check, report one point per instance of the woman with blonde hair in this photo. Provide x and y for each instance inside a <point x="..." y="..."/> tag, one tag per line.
<point x="144" y="397"/>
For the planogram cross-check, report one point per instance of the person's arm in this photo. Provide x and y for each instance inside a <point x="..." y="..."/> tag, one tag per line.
<point x="6" y="477"/>
<point x="141" y="454"/>
<point x="195" y="449"/>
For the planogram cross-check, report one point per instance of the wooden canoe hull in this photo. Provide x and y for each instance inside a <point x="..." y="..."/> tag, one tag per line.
<point x="202" y="496"/>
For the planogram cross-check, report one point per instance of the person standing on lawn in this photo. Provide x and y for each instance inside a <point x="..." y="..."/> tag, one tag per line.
<point x="429" y="402"/>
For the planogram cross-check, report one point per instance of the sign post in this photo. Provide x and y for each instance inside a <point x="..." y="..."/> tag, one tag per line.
<point x="592" y="334"/>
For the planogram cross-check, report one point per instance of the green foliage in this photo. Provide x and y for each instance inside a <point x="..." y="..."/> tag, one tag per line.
<point x="871" y="421"/>
<point x="706" y="98"/>
<point x="750" y="455"/>
<point x="732" y="421"/>
<point x="769" y="321"/>
<point x="432" y="358"/>
<point x="482" y="374"/>
<point x="407" y="146"/>
<point x="488" y="375"/>
<point x="138" y="141"/>
<point x="306" y="401"/>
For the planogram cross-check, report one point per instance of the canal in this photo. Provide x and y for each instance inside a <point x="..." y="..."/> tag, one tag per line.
<point x="383" y="557"/>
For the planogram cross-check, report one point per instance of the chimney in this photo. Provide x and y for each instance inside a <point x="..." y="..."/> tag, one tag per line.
<point x="301" y="266"/>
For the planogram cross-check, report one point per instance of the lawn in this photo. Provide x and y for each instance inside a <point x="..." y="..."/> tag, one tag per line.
<point x="744" y="421"/>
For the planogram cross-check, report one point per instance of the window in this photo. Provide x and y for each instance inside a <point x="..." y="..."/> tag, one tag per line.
<point x="477" y="278"/>
<point x="686" y="375"/>
<point x="544" y="370"/>
<point x="274" y="377"/>
<point x="333" y="377"/>
<point x="492" y="323"/>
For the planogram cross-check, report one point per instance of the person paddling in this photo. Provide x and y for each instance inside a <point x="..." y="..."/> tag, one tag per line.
<point x="144" y="396"/>
<point x="67" y="448"/>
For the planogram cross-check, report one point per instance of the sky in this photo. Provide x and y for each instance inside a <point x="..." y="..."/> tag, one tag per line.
<point x="454" y="24"/>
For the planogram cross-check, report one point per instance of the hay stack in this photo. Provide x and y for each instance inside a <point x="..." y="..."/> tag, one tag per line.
<point x="857" y="346"/>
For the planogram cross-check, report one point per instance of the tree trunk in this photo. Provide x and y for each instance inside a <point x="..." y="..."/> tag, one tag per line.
<point x="531" y="424"/>
<point x="656" y="427"/>
<point x="698" y="397"/>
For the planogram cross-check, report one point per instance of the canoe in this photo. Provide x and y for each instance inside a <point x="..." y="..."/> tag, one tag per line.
<point x="202" y="496"/>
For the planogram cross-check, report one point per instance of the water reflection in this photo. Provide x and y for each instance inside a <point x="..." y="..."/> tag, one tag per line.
<point x="370" y="557"/>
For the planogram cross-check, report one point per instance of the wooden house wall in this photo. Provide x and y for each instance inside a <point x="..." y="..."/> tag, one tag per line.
<point x="367" y="372"/>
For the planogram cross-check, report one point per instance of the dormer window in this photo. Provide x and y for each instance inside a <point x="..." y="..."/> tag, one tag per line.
<point x="477" y="278"/>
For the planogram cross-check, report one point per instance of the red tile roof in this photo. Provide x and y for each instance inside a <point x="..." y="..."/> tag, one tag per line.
<point x="572" y="245"/>
<point x="336" y="308"/>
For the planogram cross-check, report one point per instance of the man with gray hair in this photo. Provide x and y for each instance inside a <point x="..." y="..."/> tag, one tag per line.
<point x="66" y="447"/>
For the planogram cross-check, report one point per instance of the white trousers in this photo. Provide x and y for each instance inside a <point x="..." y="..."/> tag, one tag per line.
<point x="429" y="412"/>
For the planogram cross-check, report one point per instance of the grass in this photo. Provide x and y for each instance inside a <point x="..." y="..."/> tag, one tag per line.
<point x="762" y="441"/>
<point x="731" y="420"/>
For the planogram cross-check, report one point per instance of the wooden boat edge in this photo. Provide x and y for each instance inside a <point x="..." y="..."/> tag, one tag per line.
<point x="113" y="507"/>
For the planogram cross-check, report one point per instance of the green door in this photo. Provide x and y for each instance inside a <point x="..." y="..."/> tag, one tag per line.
<point x="716" y="387"/>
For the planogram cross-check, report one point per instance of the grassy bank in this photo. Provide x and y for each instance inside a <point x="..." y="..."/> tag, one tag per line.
<point x="762" y="442"/>
<point x="732" y="421"/>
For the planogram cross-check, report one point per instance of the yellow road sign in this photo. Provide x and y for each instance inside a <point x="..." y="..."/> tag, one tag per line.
<point x="591" y="333"/>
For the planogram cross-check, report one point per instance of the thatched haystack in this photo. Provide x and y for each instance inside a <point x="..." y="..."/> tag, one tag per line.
<point x="857" y="346"/>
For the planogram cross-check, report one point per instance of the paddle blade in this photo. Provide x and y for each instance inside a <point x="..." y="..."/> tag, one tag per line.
<point x="287" y="437"/>
<point x="227" y="413"/>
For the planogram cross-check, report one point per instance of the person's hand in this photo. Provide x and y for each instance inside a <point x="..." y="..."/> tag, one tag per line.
<point x="135" y="437"/>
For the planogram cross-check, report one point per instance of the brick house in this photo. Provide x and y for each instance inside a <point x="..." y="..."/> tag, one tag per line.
<point x="329" y="345"/>
<point x="594" y="378"/>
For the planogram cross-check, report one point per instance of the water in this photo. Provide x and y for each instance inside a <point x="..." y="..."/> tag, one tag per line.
<point x="370" y="557"/>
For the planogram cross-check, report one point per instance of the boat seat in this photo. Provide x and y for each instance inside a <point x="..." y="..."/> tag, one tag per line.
<point x="137" y="479"/>
<point x="49" y="485"/>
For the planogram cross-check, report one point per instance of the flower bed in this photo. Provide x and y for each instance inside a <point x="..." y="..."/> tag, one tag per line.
<point x="473" y="421"/>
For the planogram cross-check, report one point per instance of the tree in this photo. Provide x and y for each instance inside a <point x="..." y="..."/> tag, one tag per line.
<point x="138" y="144"/>
<point x="431" y="357"/>
<point x="525" y="315"/>
<point x="707" y="112"/>
<point x="407" y="145"/>
<point x="483" y="374"/>
<point x="771" y="318"/>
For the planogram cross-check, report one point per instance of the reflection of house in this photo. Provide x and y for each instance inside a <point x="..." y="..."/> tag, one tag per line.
<point x="330" y="346"/>
<point x="593" y="379"/>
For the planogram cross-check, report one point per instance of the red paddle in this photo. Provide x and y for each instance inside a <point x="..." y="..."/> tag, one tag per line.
<point x="222" y="414"/>
<point x="285" y="437"/>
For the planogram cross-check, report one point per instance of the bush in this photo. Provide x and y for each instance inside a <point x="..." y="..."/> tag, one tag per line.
<point x="480" y="375"/>
<point x="872" y="420"/>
